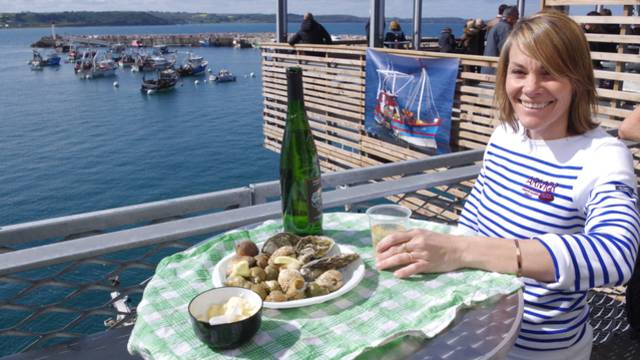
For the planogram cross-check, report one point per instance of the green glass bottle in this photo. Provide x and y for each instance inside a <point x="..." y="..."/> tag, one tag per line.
<point x="300" y="183"/>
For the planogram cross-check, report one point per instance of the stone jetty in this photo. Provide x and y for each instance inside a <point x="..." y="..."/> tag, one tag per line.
<point x="242" y="40"/>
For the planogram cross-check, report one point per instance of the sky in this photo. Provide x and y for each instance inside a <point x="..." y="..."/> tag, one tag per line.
<point x="393" y="8"/>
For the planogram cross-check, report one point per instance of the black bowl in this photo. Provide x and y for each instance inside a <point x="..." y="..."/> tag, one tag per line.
<point x="227" y="335"/>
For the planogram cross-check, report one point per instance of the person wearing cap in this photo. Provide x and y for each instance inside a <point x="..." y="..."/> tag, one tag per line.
<point x="394" y="35"/>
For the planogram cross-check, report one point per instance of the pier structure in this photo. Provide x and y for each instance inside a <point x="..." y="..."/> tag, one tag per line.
<point x="357" y="168"/>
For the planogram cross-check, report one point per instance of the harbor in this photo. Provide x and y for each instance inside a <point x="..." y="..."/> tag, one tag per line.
<point x="201" y="190"/>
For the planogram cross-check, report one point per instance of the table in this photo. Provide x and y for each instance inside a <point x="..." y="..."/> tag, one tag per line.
<point x="376" y="319"/>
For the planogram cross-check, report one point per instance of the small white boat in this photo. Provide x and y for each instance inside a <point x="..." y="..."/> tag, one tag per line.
<point x="225" y="76"/>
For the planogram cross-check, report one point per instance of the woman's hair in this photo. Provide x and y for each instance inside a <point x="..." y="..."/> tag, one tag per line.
<point x="558" y="43"/>
<point x="394" y="25"/>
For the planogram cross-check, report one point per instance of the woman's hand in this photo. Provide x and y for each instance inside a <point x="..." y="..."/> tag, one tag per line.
<point x="419" y="251"/>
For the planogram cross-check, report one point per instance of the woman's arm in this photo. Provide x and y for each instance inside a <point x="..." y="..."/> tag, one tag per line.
<point x="630" y="127"/>
<point x="426" y="251"/>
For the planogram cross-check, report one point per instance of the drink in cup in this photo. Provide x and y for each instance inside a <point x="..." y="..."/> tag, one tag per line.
<point x="386" y="219"/>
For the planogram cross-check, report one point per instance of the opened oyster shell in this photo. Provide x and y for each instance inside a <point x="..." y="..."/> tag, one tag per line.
<point x="313" y="247"/>
<point x="279" y="240"/>
<point x="315" y="268"/>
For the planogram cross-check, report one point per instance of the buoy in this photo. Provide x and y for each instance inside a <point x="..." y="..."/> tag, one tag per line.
<point x="116" y="84"/>
<point x="149" y="92"/>
<point x="252" y="74"/>
<point x="209" y="70"/>
<point x="212" y="78"/>
<point x="196" y="82"/>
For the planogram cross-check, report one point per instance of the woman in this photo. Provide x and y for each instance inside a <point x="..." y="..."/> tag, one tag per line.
<point x="555" y="201"/>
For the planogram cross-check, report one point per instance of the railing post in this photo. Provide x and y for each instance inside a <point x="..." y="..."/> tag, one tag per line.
<point x="281" y="21"/>
<point x="521" y="8"/>
<point x="417" y="24"/>
<point x="376" y="23"/>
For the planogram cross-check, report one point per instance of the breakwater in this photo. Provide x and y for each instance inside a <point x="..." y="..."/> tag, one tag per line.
<point x="226" y="39"/>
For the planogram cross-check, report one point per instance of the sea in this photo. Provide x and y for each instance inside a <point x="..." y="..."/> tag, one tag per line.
<point x="70" y="146"/>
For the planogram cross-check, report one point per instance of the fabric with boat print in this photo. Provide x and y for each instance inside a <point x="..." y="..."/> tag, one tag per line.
<point x="409" y="100"/>
<point x="367" y="321"/>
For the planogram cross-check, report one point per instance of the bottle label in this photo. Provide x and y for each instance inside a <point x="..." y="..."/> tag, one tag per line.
<point x="314" y="190"/>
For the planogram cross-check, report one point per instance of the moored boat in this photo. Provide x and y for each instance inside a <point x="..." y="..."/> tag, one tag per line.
<point x="225" y="75"/>
<point x="166" y="80"/>
<point x="194" y="65"/>
<point x="39" y="61"/>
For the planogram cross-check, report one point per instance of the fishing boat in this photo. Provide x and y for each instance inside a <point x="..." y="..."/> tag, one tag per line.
<point x="39" y="61"/>
<point x="166" y="80"/>
<point x="153" y="63"/>
<point x="225" y="75"/>
<point x="91" y="67"/>
<point x="193" y="65"/>
<point x="127" y="60"/>
<point x="413" y="117"/>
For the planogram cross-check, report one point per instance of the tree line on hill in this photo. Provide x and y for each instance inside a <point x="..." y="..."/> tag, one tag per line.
<point x="124" y="18"/>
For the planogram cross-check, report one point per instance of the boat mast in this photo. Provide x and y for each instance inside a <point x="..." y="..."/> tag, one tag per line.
<point x="423" y="78"/>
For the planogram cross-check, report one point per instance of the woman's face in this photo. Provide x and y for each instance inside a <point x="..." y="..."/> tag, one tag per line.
<point x="540" y="100"/>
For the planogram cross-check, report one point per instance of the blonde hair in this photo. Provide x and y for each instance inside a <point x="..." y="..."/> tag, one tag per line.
<point x="394" y="25"/>
<point x="558" y="43"/>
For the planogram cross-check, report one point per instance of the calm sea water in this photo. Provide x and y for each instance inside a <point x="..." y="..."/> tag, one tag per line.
<point x="69" y="146"/>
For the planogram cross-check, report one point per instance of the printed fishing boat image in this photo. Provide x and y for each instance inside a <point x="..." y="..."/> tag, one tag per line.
<point x="413" y="117"/>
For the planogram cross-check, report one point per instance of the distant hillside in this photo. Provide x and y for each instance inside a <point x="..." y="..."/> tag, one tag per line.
<point x="119" y="18"/>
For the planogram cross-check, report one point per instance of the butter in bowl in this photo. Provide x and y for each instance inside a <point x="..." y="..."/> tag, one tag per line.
<point x="226" y="317"/>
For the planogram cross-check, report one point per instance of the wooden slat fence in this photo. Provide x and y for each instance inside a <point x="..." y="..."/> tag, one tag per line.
<point x="334" y="85"/>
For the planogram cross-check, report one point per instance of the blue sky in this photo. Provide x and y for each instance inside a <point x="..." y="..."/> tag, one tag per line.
<point x="394" y="8"/>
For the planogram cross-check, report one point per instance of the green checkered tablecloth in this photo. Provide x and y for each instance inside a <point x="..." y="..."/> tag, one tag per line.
<point x="370" y="318"/>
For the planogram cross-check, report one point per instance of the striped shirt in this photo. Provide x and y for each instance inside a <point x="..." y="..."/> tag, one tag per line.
<point x="577" y="196"/>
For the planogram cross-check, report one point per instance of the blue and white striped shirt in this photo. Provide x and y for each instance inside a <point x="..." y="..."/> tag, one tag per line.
<point x="577" y="196"/>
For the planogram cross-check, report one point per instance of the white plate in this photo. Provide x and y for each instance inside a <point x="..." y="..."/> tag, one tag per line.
<point x="352" y="274"/>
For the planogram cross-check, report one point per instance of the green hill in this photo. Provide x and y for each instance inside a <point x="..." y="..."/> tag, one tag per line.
<point x="120" y="18"/>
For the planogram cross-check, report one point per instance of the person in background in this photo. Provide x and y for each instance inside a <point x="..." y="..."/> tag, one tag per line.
<point x="630" y="127"/>
<point x="311" y="32"/>
<point x="491" y="23"/>
<point x="498" y="34"/>
<point x="394" y="35"/>
<point x="473" y="37"/>
<point x="446" y="41"/>
<point x="555" y="201"/>
<point x="594" y="29"/>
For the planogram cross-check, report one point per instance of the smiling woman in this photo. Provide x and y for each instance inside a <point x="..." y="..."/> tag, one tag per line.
<point x="555" y="201"/>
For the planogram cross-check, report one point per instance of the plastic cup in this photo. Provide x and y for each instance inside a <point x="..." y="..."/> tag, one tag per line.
<point x="385" y="219"/>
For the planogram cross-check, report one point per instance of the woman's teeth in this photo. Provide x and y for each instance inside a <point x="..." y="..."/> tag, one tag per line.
<point x="530" y="105"/>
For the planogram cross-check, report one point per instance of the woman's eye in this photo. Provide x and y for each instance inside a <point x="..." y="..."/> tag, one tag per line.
<point x="517" y="72"/>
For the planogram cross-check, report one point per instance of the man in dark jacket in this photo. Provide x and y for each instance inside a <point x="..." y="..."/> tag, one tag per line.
<point x="446" y="41"/>
<point x="311" y="32"/>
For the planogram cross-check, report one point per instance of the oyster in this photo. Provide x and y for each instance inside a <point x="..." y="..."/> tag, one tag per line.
<point x="279" y="240"/>
<point x="313" y="247"/>
<point x="315" y="268"/>
<point x="330" y="280"/>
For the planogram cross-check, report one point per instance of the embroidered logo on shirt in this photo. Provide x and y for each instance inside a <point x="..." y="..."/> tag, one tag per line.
<point x="543" y="190"/>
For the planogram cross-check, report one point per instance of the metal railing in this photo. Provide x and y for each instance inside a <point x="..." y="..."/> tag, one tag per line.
<point x="82" y="270"/>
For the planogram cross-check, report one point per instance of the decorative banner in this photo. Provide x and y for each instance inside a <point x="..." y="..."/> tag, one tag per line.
<point x="409" y="100"/>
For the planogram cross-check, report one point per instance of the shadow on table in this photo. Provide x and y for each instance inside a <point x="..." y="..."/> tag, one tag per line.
<point x="284" y="332"/>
